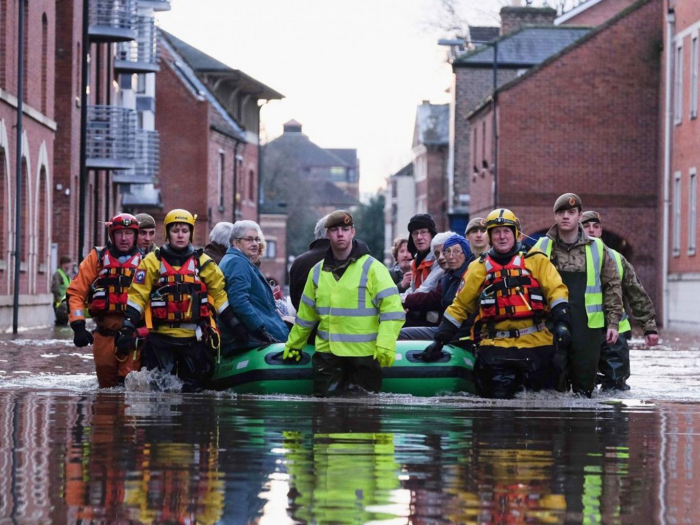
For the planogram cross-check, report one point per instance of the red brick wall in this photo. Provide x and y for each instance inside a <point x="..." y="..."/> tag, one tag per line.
<point x="274" y="227"/>
<point x="481" y="189"/>
<point x="513" y="18"/>
<point x="248" y="183"/>
<point x="685" y="139"/>
<point x="599" y="13"/>
<point x="588" y="123"/>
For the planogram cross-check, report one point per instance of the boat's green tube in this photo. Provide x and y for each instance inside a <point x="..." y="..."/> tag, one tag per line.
<point x="262" y="371"/>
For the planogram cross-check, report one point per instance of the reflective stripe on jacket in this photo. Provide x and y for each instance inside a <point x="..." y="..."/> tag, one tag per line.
<point x="355" y="315"/>
<point x="625" y="325"/>
<point x="594" y="287"/>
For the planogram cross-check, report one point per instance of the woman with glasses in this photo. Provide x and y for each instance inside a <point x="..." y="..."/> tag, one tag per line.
<point x="248" y="291"/>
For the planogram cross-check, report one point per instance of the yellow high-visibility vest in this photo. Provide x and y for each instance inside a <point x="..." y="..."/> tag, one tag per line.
<point x="625" y="325"/>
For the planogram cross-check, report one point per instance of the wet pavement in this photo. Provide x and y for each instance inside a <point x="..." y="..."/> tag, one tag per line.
<point x="74" y="454"/>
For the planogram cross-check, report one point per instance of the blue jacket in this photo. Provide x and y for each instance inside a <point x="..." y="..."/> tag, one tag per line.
<point x="250" y="295"/>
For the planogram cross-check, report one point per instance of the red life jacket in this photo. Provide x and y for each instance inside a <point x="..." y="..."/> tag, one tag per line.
<point x="509" y="291"/>
<point x="108" y="293"/>
<point x="179" y="296"/>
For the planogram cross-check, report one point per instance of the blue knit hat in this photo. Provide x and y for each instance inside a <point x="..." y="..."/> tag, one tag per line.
<point x="458" y="239"/>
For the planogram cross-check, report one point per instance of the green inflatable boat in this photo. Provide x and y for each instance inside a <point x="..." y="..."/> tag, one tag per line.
<point x="263" y="371"/>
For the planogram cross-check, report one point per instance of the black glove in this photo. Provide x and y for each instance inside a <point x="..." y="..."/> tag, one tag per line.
<point x="125" y="341"/>
<point x="81" y="337"/>
<point x="237" y="329"/>
<point x="446" y="332"/>
<point x="561" y="317"/>
<point x="432" y="352"/>
<point x="265" y="336"/>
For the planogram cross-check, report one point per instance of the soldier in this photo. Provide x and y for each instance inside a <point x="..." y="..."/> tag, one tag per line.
<point x="476" y="235"/>
<point x="354" y="301"/>
<point x="614" y="362"/>
<point x="147" y="233"/>
<point x="595" y="292"/>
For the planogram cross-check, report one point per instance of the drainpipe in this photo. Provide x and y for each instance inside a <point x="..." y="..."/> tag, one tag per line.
<point x="668" y="130"/>
<point x="18" y="172"/>
<point x="82" y="193"/>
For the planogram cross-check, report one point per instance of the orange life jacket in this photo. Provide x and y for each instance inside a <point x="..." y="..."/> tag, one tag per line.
<point x="421" y="272"/>
<point x="179" y="296"/>
<point x="108" y="293"/>
<point x="509" y="291"/>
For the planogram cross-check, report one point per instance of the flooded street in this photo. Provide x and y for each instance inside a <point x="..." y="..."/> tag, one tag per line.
<point x="73" y="454"/>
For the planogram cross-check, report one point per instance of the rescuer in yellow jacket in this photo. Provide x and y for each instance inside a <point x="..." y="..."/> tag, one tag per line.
<point x="175" y="290"/>
<point x="353" y="299"/>
<point x="515" y="292"/>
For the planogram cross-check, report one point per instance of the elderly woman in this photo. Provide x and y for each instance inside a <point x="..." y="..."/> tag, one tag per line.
<point x="401" y="272"/>
<point x="249" y="293"/>
<point x="218" y="241"/>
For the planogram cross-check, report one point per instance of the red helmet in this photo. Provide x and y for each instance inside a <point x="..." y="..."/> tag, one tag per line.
<point x="123" y="221"/>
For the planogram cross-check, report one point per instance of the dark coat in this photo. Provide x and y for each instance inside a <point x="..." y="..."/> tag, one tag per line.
<point x="450" y="283"/>
<point x="250" y="295"/>
<point x="215" y="251"/>
<point x="301" y="267"/>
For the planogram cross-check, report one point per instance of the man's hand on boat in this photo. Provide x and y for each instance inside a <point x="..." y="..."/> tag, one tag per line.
<point x="266" y="337"/>
<point x="432" y="352"/>
<point x="384" y="356"/>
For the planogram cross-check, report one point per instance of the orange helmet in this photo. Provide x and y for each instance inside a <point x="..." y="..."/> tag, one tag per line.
<point x="123" y="221"/>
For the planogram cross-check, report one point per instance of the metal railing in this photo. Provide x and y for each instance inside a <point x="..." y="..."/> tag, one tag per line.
<point x="140" y="55"/>
<point x="156" y="5"/>
<point x="112" y="20"/>
<point x="146" y="161"/>
<point x="111" y="134"/>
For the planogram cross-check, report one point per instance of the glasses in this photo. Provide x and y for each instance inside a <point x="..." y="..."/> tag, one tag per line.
<point x="420" y="233"/>
<point x="452" y="253"/>
<point x="250" y="239"/>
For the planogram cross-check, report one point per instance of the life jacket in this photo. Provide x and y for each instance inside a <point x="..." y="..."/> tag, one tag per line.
<point x="108" y="293"/>
<point x="420" y="272"/>
<point x="179" y="296"/>
<point x="509" y="291"/>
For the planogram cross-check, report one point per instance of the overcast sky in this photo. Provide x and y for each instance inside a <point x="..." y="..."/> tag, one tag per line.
<point x="352" y="71"/>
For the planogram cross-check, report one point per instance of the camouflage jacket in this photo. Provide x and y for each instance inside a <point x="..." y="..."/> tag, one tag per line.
<point x="637" y="298"/>
<point x="573" y="259"/>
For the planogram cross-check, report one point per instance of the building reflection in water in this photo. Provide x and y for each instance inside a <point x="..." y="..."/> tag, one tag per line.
<point x="111" y="458"/>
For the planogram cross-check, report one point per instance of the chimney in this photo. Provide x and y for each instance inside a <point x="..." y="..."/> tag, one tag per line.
<point x="513" y="18"/>
<point x="292" y="127"/>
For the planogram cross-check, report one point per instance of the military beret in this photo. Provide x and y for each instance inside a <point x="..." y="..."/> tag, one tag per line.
<point x="145" y="221"/>
<point x="476" y="222"/>
<point x="567" y="201"/>
<point x="590" y="216"/>
<point x="338" y="218"/>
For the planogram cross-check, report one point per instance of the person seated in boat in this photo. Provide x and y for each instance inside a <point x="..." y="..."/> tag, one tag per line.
<point x="454" y="255"/>
<point x="353" y="300"/>
<point x="171" y="291"/>
<point x="218" y="241"/>
<point x="476" y="235"/>
<point x="514" y="292"/>
<point x="249" y="293"/>
<point x="401" y="271"/>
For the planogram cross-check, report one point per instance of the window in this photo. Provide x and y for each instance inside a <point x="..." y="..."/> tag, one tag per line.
<point x="141" y="84"/>
<point x="677" y="214"/>
<point x="694" y="79"/>
<point x="475" y="138"/>
<point x="483" y="141"/>
<point x="692" y="209"/>
<point x="270" y="250"/>
<point x="678" y="113"/>
<point x="251" y="186"/>
<point x="220" y="180"/>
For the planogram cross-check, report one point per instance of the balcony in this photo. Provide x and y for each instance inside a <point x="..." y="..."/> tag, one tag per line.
<point x="112" y="20"/>
<point x="111" y="138"/>
<point x="140" y="55"/>
<point x="156" y="5"/>
<point x="146" y="162"/>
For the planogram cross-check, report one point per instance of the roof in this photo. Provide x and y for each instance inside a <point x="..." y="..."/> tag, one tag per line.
<point x="200" y="62"/>
<point x="484" y="33"/>
<point x="347" y="155"/>
<point x="296" y="147"/>
<point x="406" y="171"/>
<point x="575" y="11"/>
<point x="432" y="124"/>
<point x="328" y="194"/>
<point x="222" y="119"/>
<point x="525" y="48"/>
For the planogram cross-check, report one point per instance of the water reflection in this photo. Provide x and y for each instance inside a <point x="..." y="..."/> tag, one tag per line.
<point x="115" y="458"/>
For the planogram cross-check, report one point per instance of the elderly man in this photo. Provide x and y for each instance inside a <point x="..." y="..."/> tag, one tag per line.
<point x="595" y="293"/>
<point x="147" y="233"/>
<point x="218" y="241"/>
<point x="614" y="364"/>
<point x="353" y="300"/>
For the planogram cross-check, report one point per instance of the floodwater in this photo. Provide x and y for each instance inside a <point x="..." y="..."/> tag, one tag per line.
<point x="72" y="454"/>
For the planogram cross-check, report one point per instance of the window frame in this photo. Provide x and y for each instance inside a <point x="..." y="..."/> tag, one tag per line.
<point x="694" y="76"/>
<point x="677" y="213"/>
<point x="692" y="210"/>
<point x="221" y="166"/>
<point x="678" y="85"/>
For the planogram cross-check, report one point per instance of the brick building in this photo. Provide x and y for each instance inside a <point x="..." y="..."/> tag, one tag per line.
<point x="430" y="149"/>
<point x="399" y="207"/>
<point x="585" y="120"/>
<point x="680" y="135"/>
<point x="520" y="47"/>
<point x="208" y="119"/>
<point x="37" y="157"/>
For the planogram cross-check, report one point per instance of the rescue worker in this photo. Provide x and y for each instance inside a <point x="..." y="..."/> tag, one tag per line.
<point x="101" y="285"/>
<point x="514" y="293"/>
<point x="614" y="364"/>
<point x="174" y="290"/>
<point x="477" y="236"/>
<point x="147" y="233"/>
<point x="59" y="285"/>
<point x="352" y="298"/>
<point x="595" y="293"/>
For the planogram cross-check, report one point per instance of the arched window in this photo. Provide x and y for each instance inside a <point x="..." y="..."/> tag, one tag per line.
<point x="44" y="64"/>
<point x="26" y="228"/>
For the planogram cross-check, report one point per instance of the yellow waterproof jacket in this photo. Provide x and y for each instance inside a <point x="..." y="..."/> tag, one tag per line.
<point x="147" y="276"/>
<point x="356" y="314"/>
<point x="466" y="301"/>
